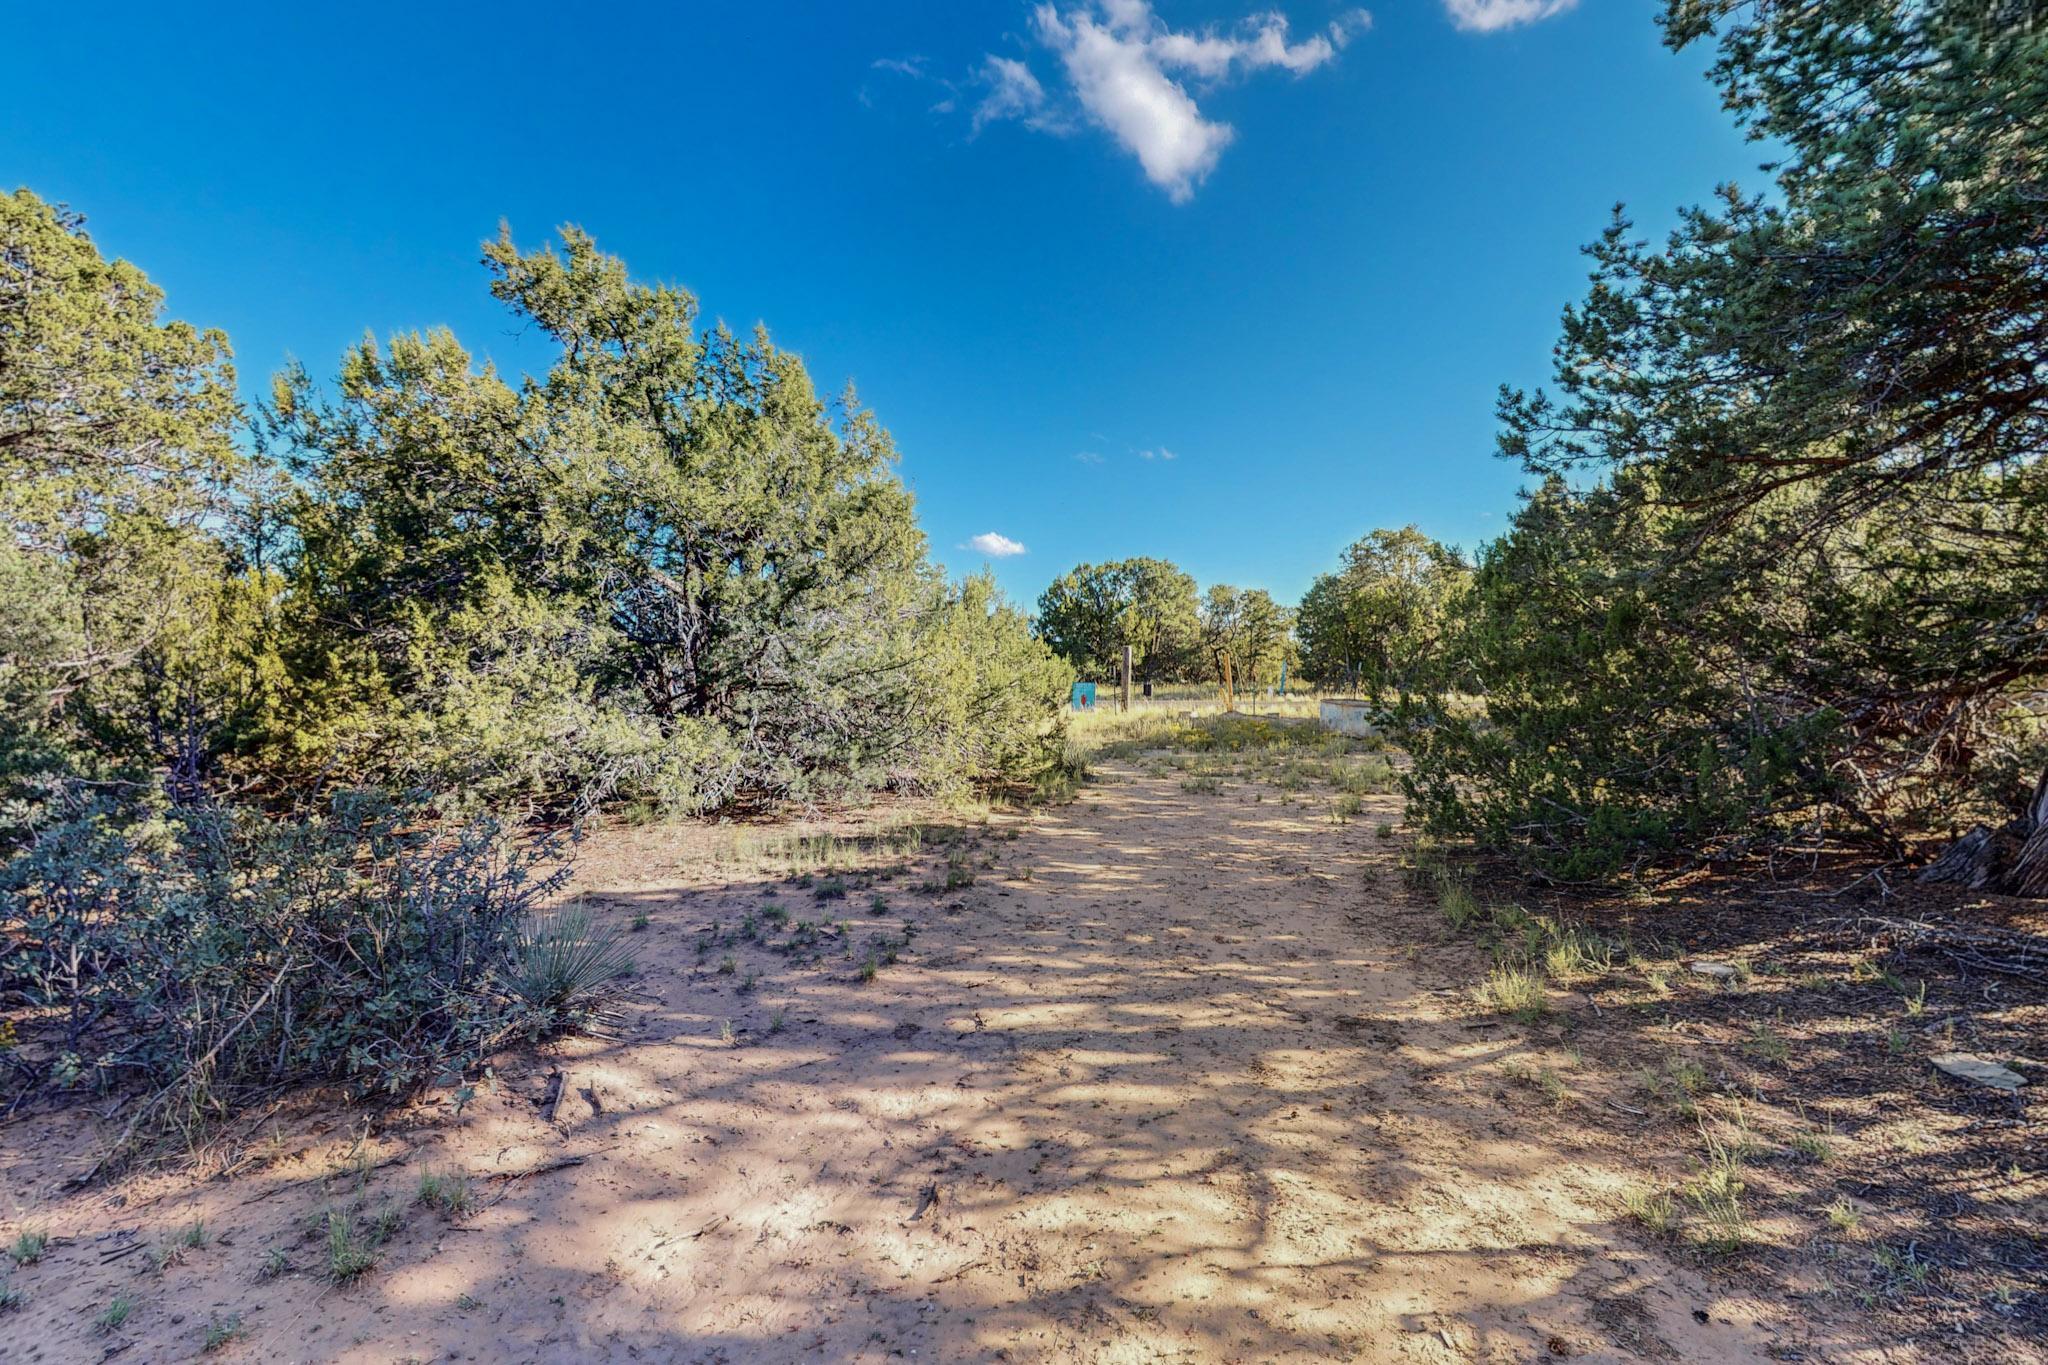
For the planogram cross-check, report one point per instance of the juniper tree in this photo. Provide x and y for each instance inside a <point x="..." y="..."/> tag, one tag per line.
<point x="1091" y="612"/>
<point x="116" y="456"/>
<point x="1374" y="621"/>
<point x="1821" y="410"/>
<point x="665" y="569"/>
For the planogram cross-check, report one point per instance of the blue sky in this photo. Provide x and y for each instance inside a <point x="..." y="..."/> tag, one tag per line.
<point x="1051" y="245"/>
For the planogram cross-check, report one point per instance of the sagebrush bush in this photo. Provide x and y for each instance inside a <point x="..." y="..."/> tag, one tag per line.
<point x="214" y="951"/>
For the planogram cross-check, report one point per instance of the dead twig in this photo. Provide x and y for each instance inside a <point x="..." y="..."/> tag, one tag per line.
<point x="558" y="1164"/>
<point x="552" y="1100"/>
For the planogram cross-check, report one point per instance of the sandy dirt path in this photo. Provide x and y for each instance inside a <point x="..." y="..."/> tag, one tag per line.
<point x="1176" y="1079"/>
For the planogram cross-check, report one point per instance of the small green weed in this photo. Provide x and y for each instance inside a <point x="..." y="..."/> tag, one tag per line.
<point x="30" y="1246"/>
<point x="114" y="1314"/>
<point x="446" y="1192"/>
<point x="353" y="1244"/>
<point x="1655" y="1211"/>
<point x="221" y="1331"/>
<point x="1767" y="1043"/>
<point x="1514" y="991"/>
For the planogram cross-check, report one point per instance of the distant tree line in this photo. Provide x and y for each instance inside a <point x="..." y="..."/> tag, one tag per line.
<point x="1175" y="632"/>
<point x="1371" y="626"/>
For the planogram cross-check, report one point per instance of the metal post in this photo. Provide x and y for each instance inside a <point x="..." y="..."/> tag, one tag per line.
<point x="1127" y="677"/>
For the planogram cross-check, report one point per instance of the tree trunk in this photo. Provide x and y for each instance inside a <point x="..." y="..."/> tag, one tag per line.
<point x="2011" y="860"/>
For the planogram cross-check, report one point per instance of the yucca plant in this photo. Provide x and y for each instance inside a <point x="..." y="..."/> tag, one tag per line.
<point x="565" y="965"/>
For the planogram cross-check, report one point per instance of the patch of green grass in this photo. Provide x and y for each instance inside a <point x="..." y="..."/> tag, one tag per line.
<point x="1542" y="1078"/>
<point x="1459" y="906"/>
<point x="446" y="1192"/>
<point x="1566" y="953"/>
<point x="1721" y="1227"/>
<point x="114" y="1314"/>
<point x="1813" y="1147"/>
<point x="1843" y="1216"/>
<point x="221" y="1331"/>
<point x="1346" y="807"/>
<point x="1901" y="1271"/>
<point x="12" y="1296"/>
<point x="1571" y="954"/>
<point x="354" y="1243"/>
<point x="1678" y="1086"/>
<point x="1201" y="786"/>
<point x="1515" y="991"/>
<point x="1654" y="1211"/>
<point x="868" y="969"/>
<point x="275" y="1263"/>
<point x="30" y="1246"/>
<point x="1767" y="1043"/>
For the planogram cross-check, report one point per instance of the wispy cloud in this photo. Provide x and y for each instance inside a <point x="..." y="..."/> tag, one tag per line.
<point x="1125" y="72"/>
<point x="1159" y="453"/>
<point x="1014" y="93"/>
<point x="996" y="545"/>
<point x="1490" y="16"/>
<point x="1088" y="456"/>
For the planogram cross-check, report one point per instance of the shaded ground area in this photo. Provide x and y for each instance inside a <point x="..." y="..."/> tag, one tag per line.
<point x="1175" y="1072"/>
<point x="1799" y="1012"/>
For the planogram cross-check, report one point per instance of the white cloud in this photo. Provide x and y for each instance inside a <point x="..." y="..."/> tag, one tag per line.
<point x="1127" y="72"/>
<point x="1088" y="457"/>
<point x="996" y="545"/>
<point x="1013" y="93"/>
<point x="1162" y="453"/>
<point x="1490" y="16"/>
